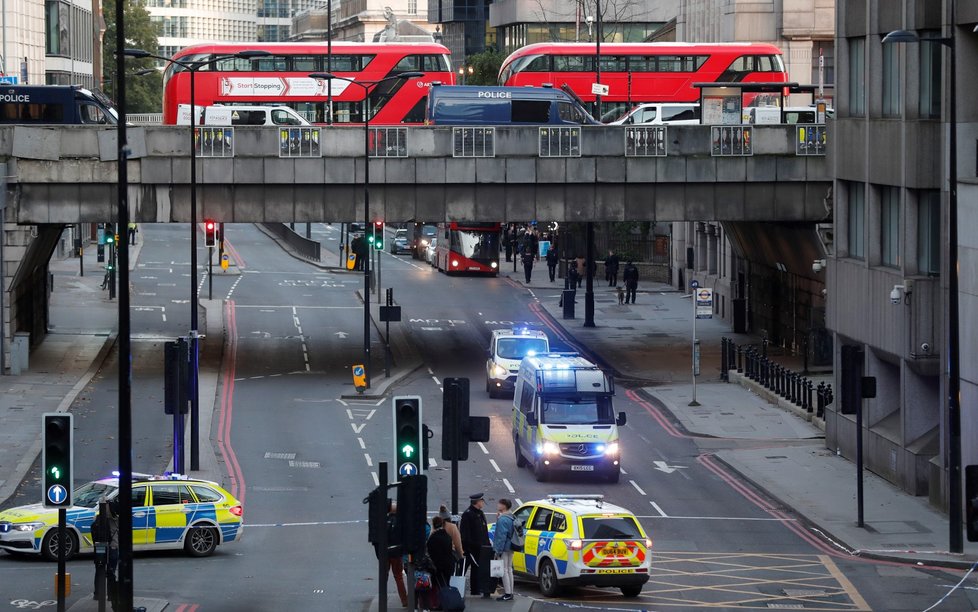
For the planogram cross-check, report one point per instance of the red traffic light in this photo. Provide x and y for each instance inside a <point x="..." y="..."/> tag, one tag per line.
<point x="210" y="233"/>
<point x="209" y="225"/>
<point x="378" y="224"/>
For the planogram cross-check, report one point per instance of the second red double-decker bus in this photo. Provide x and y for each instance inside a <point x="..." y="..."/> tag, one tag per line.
<point x="468" y="247"/>
<point x="282" y="79"/>
<point x="642" y="72"/>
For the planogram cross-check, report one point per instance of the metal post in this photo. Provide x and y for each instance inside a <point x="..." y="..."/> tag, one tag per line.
<point x="210" y="273"/>
<point x="366" y="224"/>
<point x="859" y="463"/>
<point x="382" y="546"/>
<point x="589" y="278"/>
<point x="194" y="363"/>
<point x="387" y="336"/>
<point x="125" y="581"/>
<point x="309" y="230"/>
<point x="693" y="351"/>
<point x="597" y="61"/>
<point x="113" y="249"/>
<point x="62" y="536"/>
<point x="3" y="240"/>
<point x="723" y="358"/>
<point x="81" y="249"/>
<point x="329" y="64"/>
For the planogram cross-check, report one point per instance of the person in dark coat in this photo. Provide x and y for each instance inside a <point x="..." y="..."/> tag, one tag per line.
<point x="475" y="535"/>
<point x="581" y="270"/>
<point x="527" y="258"/>
<point x="440" y="552"/>
<point x="611" y="269"/>
<point x="359" y="248"/>
<point x="552" y="260"/>
<point x="630" y="276"/>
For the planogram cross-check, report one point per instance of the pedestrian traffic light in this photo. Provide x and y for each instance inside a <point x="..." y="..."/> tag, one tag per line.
<point x="56" y="455"/>
<point x="210" y="233"/>
<point x="379" y="235"/>
<point x="971" y="502"/>
<point x="407" y="436"/>
<point x="412" y="512"/>
<point x="109" y="238"/>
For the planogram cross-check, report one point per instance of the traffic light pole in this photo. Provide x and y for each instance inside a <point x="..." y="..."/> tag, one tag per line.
<point x="382" y="545"/>
<point x="210" y="273"/>
<point x="62" y="533"/>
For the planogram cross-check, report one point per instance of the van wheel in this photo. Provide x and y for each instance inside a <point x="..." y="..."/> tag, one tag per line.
<point x="548" y="579"/>
<point x="540" y="472"/>
<point x="520" y="461"/>
<point x="613" y="477"/>
<point x="631" y="591"/>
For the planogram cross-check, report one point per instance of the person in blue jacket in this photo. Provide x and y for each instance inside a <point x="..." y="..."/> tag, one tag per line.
<point x="501" y="545"/>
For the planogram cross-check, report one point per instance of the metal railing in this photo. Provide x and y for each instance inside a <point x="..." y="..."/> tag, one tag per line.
<point x="304" y="247"/>
<point x="145" y="118"/>
<point x="793" y="387"/>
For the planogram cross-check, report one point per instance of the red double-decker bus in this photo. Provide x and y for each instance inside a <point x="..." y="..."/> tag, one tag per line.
<point x="282" y="79"/>
<point x="468" y="247"/>
<point x="643" y="72"/>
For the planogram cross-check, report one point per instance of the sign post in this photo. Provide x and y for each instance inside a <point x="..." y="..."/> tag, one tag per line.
<point x="702" y="309"/>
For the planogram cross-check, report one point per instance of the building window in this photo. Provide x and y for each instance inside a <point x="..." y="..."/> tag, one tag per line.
<point x="890" y="226"/>
<point x="930" y="76"/>
<point x="857" y="76"/>
<point x="857" y="220"/>
<point x="891" y="80"/>
<point x="412" y="7"/>
<point x="929" y="232"/>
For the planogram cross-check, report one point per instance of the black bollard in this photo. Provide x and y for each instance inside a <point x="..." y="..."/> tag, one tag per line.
<point x="740" y="360"/>
<point x="723" y="358"/>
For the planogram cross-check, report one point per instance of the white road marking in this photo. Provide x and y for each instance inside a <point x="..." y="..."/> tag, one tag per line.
<point x="233" y="287"/>
<point x="658" y="509"/>
<point x="519" y="502"/>
<point x="370" y="462"/>
<point x="435" y="378"/>
<point x="430" y="371"/>
<point x="483" y="447"/>
<point x="342" y="402"/>
<point x="370" y="414"/>
<point x="349" y="413"/>
<point x="493" y="463"/>
<point x="279" y="455"/>
<point x="624" y="472"/>
<point x="357" y="428"/>
<point x="509" y="487"/>
<point x="639" y="489"/>
<point x="304" y="464"/>
<point x="376" y="479"/>
<point x="363" y="445"/>
<point x="431" y="462"/>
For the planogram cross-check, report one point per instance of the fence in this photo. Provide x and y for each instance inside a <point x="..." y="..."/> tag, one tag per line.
<point x="754" y="364"/>
<point x="145" y="118"/>
<point x="634" y="249"/>
<point x="310" y="249"/>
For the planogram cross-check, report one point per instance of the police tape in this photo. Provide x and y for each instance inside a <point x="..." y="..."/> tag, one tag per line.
<point x="305" y="524"/>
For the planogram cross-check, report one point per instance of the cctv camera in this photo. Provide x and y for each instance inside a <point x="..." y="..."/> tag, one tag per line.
<point x="818" y="265"/>
<point x="895" y="295"/>
<point x="924" y="347"/>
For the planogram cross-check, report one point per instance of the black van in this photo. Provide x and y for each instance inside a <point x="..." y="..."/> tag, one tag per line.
<point x="477" y="105"/>
<point x="54" y="104"/>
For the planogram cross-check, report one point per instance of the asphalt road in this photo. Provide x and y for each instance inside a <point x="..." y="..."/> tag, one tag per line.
<point x="301" y="458"/>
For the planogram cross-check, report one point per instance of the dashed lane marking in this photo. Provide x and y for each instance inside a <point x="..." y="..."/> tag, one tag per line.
<point x="638" y="488"/>
<point x="370" y="462"/>
<point x="657" y="508"/>
<point x="234" y="286"/>
<point x="483" y="447"/>
<point x="494" y="465"/>
<point x="357" y="428"/>
<point x="363" y="445"/>
<point x="376" y="479"/>
<point x="509" y="487"/>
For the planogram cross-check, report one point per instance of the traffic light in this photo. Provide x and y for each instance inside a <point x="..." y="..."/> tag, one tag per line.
<point x="378" y="505"/>
<point x="210" y="233"/>
<point x="110" y="238"/>
<point x="57" y="451"/>
<point x="454" y="415"/>
<point x="971" y="502"/>
<point x="407" y="436"/>
<point x="851" y="395"/>
<point x="412" y="512"/>
<point x="379" y="235"/>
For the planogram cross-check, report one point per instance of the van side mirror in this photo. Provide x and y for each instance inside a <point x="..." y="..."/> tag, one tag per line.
<point x="621" y="420"/>
<point x="531" y="419"/>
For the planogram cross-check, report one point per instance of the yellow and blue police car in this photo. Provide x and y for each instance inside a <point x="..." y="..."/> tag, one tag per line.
<point x="168" y="512"/>
<point x="581" y="540"/>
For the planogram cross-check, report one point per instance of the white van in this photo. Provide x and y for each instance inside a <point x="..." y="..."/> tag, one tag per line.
<point x="661" y="113"/>
<point x="242" y="115"/>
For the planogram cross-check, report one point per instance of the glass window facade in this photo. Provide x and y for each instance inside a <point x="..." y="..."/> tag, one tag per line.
<point x="857" y="220"/>
<point x="61" y="20"/>
<point x="827" y="50"/>
<point x="890" y="226"/>
<point x="891" y="81"/>
<point x="930" y="76"/>
<point x="857" y="76"/>
<point x="929" y="232"/>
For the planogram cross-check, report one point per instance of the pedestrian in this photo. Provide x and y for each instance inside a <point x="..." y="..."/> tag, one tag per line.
<point x="453" y="531"/>
<point x="441" y="552"/>
<point x="509" y="239"/>
<point x="531" y="243"/>
<point x="572" y="275"/>
<point x="630" y="276"/>
<point x="360" y="249"/>
<point x="552" y="261"/>
<point x="611" y="269"/>
<point x="501" y="545"/>
<point x="132" y="234"/>
<point x="527" y="257"/>
<point x="581" y="268"/>
<point x="395" y="562"/>
<point x="475" y="535"/>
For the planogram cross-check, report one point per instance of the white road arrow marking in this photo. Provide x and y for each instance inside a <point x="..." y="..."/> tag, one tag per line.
<point x="664" y="467"/>
<point x="341" y="335"/>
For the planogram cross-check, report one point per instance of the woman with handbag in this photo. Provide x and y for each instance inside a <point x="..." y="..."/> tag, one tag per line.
<point x="502" y="546"/>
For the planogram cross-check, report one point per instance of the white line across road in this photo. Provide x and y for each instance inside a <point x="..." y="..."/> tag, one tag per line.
<point x="233" y="287"/>
<point x="639" y="489"/>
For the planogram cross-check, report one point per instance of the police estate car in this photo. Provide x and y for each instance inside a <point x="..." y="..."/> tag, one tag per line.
<point x="581" y="540"/>
<point x="168" y="512"/>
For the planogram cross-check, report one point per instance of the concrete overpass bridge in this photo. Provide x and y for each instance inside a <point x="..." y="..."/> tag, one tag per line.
<point x="67" y="174"/>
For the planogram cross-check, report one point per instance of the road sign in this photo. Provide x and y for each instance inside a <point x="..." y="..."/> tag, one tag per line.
<point x="599" y="89"/>
<point x="359" y="378"/>
<point x="407" y="469"/>
<point x="351" y="261"/>
<point x="694" y="284"/>
<point x="57" y="494"/>
<point x="9" y="79"/>
<point x="224" y="262"/>
<point x="704" y="303"/>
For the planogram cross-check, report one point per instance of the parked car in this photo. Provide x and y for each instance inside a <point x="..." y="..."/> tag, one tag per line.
<point x="661" y="113"/>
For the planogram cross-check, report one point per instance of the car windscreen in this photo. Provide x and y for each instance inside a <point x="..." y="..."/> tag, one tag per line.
<point x="610" y="528"/>
<point x="594" y="410"/>
<point x="88" y="495"/>
<point x="518" y="348"/>
<point x="429" y="230"/>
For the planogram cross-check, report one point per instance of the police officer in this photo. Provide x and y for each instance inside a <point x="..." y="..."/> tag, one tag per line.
<point x="528" y="257"/>
<point x="552" y="260"/>
<point x="475" y="535"/>
<point x="630" y="276"/>
<point x="611" y="269"/>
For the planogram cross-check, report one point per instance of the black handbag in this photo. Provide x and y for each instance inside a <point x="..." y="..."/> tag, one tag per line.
<point x="451" y="599"/>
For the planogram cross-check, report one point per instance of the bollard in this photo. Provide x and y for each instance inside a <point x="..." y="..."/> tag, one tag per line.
<point x="807" y="396"/>
<point x="740" y="360"/>
<point x="723" y="358"/>
<point x="795" y="384"/>
<point x="820" y="399"/>
<point x="764" y="347"/>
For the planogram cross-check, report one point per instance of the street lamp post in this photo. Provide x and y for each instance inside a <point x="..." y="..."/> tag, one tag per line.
<point x="366" y="86"/>
<point x="955" y="497"/>
<point x="193" y="67"/>
<point x="464" y="71"/>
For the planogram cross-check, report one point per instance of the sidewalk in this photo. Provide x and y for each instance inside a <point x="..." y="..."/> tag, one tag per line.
<point x="775" y="448"/>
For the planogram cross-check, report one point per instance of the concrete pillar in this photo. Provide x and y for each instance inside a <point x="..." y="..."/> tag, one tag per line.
<point x="712" y="256"/>
<point x="701" y="253"/>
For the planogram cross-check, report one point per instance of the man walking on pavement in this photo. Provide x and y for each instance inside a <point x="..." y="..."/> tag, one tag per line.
<point x="611" y="269"/>
<point x="552" y="260"/>
<point x="501" y="546"/>
<point x="475" y="535"/>
<point x="132" y="234"/>
<point x="528" y="256"/>
<point x="630" y="276"/>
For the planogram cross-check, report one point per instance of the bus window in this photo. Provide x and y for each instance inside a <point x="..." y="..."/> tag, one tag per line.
<point x="91" y="113"/>
<point x="409" y="63"/>
<point x="531" y="111"/>
<point x="573" y="63"/>
<point x="233" y="64"/>
<point x="306" y="63"/>
<point x="436" y="63"/>
<point x="540" y="63"/>
<point x="613" y="63"/>
<point x="275" y="63"/>
<point x="641" y="63"/>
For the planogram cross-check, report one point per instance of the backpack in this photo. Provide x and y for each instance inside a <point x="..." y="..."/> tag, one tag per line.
<point x="518" y="538"/>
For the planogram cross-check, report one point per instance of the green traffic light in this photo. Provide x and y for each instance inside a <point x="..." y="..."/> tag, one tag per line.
<point x="56" y="472"/>
<point x="407" y="450"/>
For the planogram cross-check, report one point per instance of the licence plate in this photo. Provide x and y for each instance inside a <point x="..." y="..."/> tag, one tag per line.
<point x="615" y="552"/>
<point x="474" y="268"/>
<point x="615" y="571"/>
<point x="582" y="468"/>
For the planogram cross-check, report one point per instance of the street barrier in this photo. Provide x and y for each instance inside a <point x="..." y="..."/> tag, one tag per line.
<point x="304" y="247"/>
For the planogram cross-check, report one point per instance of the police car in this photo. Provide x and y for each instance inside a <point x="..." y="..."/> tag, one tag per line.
<point x="506" y="348"/>
<point x="581" y="540"/>
<point x="168" y="512"/>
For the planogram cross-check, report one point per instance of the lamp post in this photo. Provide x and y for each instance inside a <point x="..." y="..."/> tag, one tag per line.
<point x="955" y="498"/>
<point x="464" y="71"/>
<point x="366" y="86"/>
<point x="193" y="67"/>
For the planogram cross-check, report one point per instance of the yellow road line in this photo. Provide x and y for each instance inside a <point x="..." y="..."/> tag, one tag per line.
<point x="849" y="588"/>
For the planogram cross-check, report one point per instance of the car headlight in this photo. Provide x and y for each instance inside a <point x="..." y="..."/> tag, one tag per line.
<point x="611" y="449"/>
<point x="32" y="526"/>
<point x="550" y="448"/>
<point x="493" y="265"/>
<point x="424" y="243"/>
<point x="498" y="370"/>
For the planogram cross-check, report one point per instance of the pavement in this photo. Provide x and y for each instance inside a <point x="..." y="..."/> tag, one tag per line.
<point x="773" y="445"/>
